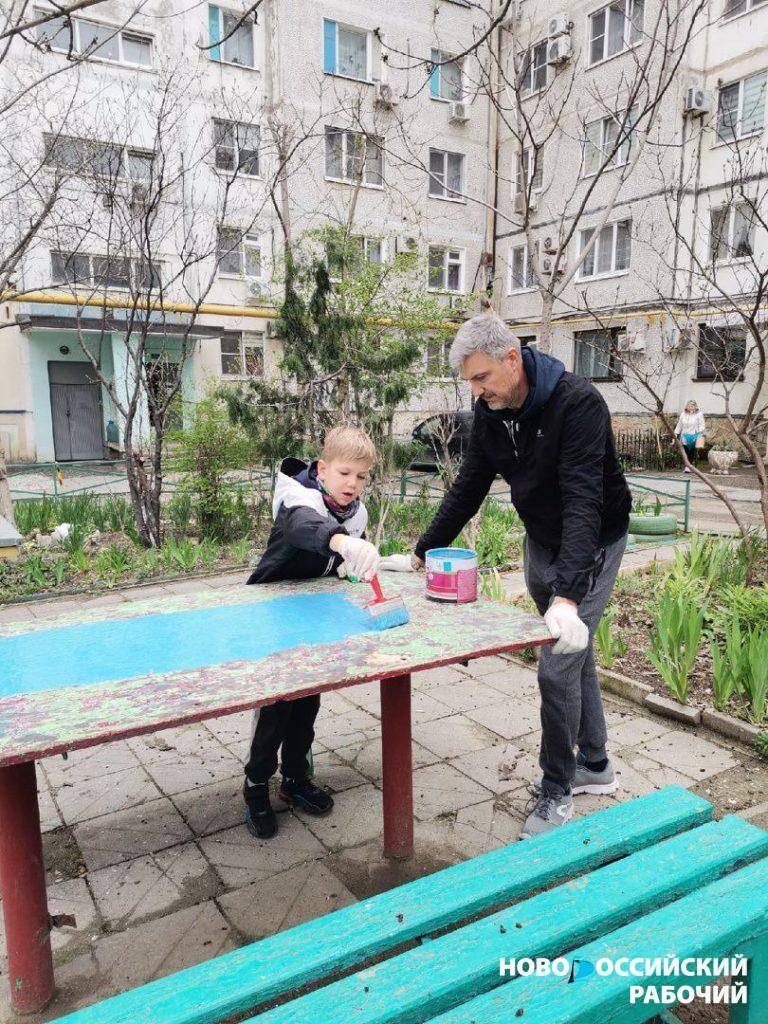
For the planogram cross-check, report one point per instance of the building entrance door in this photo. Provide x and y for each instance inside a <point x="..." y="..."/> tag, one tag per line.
<point x="76" y="412"/>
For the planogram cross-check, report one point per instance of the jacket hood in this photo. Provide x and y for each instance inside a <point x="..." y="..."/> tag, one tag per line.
<point x="543" y="373"/>
<point x="296" y="485"/>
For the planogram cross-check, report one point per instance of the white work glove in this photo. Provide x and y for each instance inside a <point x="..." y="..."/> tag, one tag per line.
<point x="562" y="620"/>
<point x="341" y="572"/>
<point x="361" y="557"/>
<point x="397" y="563"/>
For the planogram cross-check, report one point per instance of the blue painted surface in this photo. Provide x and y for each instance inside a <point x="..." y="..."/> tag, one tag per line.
<point x="100" y="651"/>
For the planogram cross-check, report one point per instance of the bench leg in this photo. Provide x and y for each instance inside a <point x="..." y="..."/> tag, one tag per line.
<point x="22" y="883"/>
<point x="397" y="766"/>
<point x="755" y="1010"/>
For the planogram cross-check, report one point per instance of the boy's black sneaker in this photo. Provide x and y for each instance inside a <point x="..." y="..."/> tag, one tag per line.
<point x="306" y="795"/>
<point x="259" y="816"/>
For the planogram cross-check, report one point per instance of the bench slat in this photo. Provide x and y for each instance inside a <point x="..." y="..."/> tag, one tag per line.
<point x="714" y="921"/>
<point x="420" y="983"/>
<point x="237" y="981"/>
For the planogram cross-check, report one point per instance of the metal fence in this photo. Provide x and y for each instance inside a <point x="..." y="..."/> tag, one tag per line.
<point x="645" y="449"/>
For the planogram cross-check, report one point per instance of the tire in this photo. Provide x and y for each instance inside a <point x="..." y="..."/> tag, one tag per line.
<point x="651" y="526"/>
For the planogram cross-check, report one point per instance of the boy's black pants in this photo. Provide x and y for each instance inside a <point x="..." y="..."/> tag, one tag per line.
<point x="286" y="723"/>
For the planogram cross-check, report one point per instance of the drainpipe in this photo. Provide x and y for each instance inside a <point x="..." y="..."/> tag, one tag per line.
<point x="492" y="169"/>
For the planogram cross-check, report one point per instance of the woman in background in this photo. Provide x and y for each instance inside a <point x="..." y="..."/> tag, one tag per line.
<point x="691" y="427"/>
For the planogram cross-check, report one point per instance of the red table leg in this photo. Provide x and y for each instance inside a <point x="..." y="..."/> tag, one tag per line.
<point x="22" y="883"/>
<point x="397" y="766"/>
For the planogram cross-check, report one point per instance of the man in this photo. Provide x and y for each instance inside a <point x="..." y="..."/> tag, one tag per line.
<point x="548" y="433"/>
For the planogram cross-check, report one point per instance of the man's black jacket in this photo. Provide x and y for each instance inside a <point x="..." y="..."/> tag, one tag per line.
<point x="559" y="458"/>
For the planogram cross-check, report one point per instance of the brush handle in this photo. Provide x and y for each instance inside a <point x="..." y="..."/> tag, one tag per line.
<point x="377" y="589"/>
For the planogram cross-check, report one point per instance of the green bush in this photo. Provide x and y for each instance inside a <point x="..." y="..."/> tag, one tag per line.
<point x="675" y="639"/>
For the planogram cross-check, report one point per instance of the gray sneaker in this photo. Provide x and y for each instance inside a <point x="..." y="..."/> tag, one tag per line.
<point x="586" y="781"/>
<point x="549" y="813"/>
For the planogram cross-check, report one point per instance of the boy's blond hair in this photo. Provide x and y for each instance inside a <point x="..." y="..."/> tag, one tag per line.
<point x="349" y="443"/>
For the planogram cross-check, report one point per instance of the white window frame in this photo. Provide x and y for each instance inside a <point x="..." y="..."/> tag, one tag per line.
<point x="442" y="180"/>
<point x="236" y="148"/>
<point x="444" y="57"/>
<point x="529" y="90"/>
<point x="447" y="250"/>
<point x="133" y="266"/>
<point x="246" y="340"/>
<point x="749" y="5"/>
<point x="346" y="133"/>
<point x="627" y="42"/>
<point x="527" y="267"/>
<point x="126" y="152"/>
<point x="248" y="23"/>
<point x="525" y="155"/>
<point x="613" y="272"/>
<point x="248" y="240"/>
<point x="364" y="242"/>
<point x="440" y="346"/>
<point x="740" y="111"/>
<point x="368" y="52"/>
<point x="622" y="154"/>
<point x="116" y="30"/>
<point x="728" y="240"/>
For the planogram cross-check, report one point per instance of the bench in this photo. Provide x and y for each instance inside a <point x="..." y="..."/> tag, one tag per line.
<point x="651" y="878"/>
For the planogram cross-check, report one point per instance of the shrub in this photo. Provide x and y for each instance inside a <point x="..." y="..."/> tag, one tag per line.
<point x="675" y="641"/>
<point x="610" y="645"/>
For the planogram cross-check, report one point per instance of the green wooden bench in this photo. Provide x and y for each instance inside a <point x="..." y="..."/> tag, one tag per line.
<point x="652" y="878"/>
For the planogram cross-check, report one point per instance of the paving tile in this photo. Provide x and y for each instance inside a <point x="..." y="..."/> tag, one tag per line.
<point x="49" y="813"/>
<point x="16" y="613"/>
<point x="466" y="695"/>
<point x="489" y="767"/>
<point x="239" y="859"/>
<point x="366" y="695"/>
<point x="480" y="667"/>
<point x="631" y="730"/>
<point x="514" y="681"/>
<point x="183" y="759"/>
<point x="509" y="719"/>
<point x="94" y="797"/>
<point x="131" y="958"/>
<point x="153" y="886"/>
<point x="432" y="677"/>
<point x="655" y="773"/>
<point x="519" y="765"/>
<point x="213" y="808"/>
<point x="632" y="783"/>
<point x="337" y="730"/>
<point x="72" y="896"/>
<point x="334" y="773"/>
<point x="427" y="707"/>
<point x="691" y="755"/>
<point x="131" y="833"/>
<point x="90" y="763"/>
<point x="285" y="899"/>
<point x="232" y="730"/>
<point x="439" y="789"/>
<point x="483" y="827"/>
<point x="452" y="736"/>
<point x="365" y="756"/>
<point x="335" y="702"/>
<point x="356" y="818"/>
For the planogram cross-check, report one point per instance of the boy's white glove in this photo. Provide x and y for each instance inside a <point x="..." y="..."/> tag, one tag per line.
<point x="562" y="620"/>
<point x="341" y="572"/>
<point x="361" y="557"/>
<point x="397" y="563"/>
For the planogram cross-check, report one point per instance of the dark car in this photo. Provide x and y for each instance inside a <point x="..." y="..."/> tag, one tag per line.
<point x="449" y="430"/>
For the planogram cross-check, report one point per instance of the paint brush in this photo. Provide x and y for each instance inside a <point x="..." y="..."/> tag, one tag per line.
<point x="386" y="612"/>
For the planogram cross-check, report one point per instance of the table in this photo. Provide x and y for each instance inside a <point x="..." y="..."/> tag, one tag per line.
<point x="72" y="702"/>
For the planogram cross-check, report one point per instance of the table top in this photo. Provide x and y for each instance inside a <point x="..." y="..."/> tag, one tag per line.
<point x="92" y="676"/>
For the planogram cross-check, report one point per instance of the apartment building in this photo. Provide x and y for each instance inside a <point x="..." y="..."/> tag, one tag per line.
<point x="388" y="134"/>
<point x="679" y="237"/>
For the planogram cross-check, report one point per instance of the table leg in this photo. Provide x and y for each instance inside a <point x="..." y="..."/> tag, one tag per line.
<point x="397" y="766"/>
<point x="22" y="883"/>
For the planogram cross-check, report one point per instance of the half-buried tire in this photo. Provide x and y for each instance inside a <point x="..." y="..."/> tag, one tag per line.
<point x="652" y="526"/>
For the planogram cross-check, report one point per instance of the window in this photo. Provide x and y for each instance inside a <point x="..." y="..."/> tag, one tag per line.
<point x="446" y="174"/>
<point x="239" y="254"/>
<point x="594" y="356"/>
<point x="533" y="69"/>
<point x="89" y="158"/>
<point x="533" y="162"/>
<point x="91" y="39"/>
<point x="346" y="51"/>
<point x="230" y="45"/>
<point x="237" y="147"/>
<point x="446" y="269"/>
<point x="445" y="79"/>
<point x="731" y="232"/>
<point x="526" y="340"/>
<point x="741" y="108"/>
<point x="352" y="156"/>
<point x="734" y="7"/>
<point x="437" y="356"/>
<point x="242" y="354"/>
<point x="103" y="271"/>
<point x="721" y="353"/>
<point x="521" y="276"/>
<point x="615" y="28"/>
<point x="369" y="250"/>
<point x="601" y="138"/>
<point x="610" y="254"/>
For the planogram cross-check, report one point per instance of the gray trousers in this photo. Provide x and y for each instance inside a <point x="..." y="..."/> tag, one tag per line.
<point x="571" y="707"/>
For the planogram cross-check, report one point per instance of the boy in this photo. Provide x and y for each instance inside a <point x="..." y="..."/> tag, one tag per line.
<point x="319" y="526"/>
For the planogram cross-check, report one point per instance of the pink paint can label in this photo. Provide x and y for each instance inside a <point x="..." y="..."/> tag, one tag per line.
<point x="451" y="575"/>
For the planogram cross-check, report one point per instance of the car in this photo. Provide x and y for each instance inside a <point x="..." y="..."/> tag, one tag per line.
<point x="447" y="429"/>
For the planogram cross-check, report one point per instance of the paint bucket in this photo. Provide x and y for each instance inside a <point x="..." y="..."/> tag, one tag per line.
<point x="451" y="574"/>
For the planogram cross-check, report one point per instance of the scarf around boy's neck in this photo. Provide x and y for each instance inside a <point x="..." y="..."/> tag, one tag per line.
<point x="341" y="512"/>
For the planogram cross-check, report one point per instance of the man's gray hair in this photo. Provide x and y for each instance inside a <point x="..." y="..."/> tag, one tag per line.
<point x="485" y="333"/>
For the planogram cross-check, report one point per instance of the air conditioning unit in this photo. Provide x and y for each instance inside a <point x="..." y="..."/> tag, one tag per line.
<point x="519" y="202"/>
<point x="548" y="267"/>
<point x="255" y="295"/>
<point x="558" y="26"/>
<point x="678" y="339"/>
<point x="630" y="341"/>
<point x="549" y="246"/>
<point x="384" y="96"/>
<point x="459" y="112"/>
<point x="698" y="101"/>
<point x="559" y="50"/>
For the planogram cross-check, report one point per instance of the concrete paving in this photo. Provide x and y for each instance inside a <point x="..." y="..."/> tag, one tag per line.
<point x="145" y="842"/>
